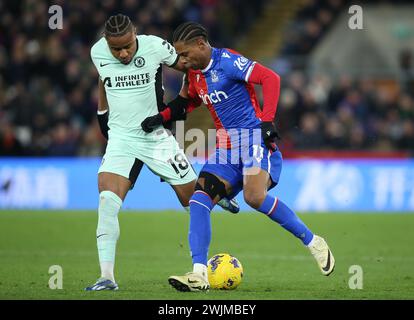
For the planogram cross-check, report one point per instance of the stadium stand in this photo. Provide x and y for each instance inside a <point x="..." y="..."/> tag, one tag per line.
<point x="353" y="111"/>
<point x="48" y="92"/>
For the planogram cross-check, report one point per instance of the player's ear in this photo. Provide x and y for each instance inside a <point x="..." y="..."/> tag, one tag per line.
<point x="201" y="43"/>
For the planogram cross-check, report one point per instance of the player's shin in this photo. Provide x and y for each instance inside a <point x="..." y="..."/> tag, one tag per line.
<point x="276" y="210"/>
<point x="107" y="232"/>
<point x="199" y="236"/>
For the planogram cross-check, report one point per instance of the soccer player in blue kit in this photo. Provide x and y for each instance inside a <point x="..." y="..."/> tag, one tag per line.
<point x="224" y="81"/>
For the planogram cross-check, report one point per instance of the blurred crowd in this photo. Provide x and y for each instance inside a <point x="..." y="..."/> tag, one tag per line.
<point x="346" y="114"/>
<point x="313" y="21"/>
<point x="325" y="112"/>
<point x="48" y="85"/>
<point x="309" y="26"/>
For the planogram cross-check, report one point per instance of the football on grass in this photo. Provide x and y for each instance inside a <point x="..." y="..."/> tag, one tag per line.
<point x="224" y="272"/>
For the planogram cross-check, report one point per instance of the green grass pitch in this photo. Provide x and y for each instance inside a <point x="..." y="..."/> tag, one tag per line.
<point x="153" y="246"/>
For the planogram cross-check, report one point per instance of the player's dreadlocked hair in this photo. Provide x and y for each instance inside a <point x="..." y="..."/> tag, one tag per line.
<point x="188" y="31"/>
<point x="117" y="26"/>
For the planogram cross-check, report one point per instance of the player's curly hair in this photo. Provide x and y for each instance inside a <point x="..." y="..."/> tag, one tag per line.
<point x="117" y="26"/>
<point x="188" y="31"/>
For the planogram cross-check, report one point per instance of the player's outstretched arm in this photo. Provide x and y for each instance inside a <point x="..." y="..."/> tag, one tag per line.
<point x="103" y="110"/>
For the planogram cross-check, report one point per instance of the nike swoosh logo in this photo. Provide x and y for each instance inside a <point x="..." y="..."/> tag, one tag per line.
<point x="183" y="175"/>
<point x="328" y="263"/>
<point x="105" y="64"/>
<point x="191" y="281"/>
<point x="103" y="234"/>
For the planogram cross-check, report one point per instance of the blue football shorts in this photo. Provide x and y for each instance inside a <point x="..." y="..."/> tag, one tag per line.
<point x="232" y="164"/>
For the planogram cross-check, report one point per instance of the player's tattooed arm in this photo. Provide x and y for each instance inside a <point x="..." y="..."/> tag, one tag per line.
<point x="103" y="109"/>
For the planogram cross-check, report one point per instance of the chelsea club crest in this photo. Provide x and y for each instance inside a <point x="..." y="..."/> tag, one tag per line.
<point x="139" y="62"/>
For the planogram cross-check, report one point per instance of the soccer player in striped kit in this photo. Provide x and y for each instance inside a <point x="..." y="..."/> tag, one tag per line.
<point x="246" y="158"/>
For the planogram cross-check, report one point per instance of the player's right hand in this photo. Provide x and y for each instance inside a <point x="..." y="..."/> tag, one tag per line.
<point x="150" y="123"/>
<point x="269" y="134"/>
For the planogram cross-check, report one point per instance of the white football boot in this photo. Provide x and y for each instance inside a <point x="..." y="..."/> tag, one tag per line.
<point x="230" y="205"/>
<point x="102" y="284"/>
<point x="322" y="254"/>
<point x="191" y="281"/>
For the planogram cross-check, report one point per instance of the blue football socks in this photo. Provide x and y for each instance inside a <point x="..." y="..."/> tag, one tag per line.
<point x="280" y="213"/>
<point x="199" y="235"/>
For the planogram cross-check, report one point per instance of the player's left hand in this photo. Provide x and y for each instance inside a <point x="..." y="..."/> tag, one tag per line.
<point x="150" y="123"/>
<point x="269" y="133"/>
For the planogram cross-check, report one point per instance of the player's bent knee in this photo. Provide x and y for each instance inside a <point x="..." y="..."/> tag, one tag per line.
<point x="114" y="183"/>
<point x="253" y="198"/>
<point x="212" y="186"/>
<point x="105" y="183"/>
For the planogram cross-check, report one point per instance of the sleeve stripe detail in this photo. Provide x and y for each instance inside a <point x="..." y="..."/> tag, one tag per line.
<point x="249" y="71"/>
